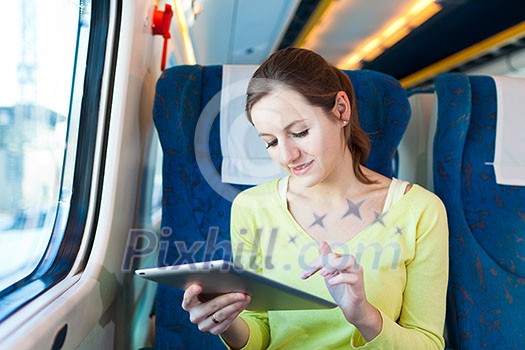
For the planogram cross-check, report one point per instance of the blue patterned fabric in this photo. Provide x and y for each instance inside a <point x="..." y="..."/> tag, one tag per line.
<point x="196" y="208"/>
<point x="486" y="292"/>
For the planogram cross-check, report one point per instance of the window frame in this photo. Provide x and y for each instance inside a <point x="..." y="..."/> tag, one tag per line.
<point x="71" y="235"/>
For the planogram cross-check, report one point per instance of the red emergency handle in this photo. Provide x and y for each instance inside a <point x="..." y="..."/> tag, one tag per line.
<point x="161" y="26"/>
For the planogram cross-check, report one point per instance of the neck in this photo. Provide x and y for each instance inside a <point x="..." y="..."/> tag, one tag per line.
<point x="339" y="185"/>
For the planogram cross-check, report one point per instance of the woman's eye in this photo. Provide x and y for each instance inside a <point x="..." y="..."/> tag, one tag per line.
<point x="271" y="144"/>
<point x="300" y="134"/>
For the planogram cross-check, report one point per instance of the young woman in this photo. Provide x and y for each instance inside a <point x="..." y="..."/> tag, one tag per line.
<point x="333" y="228"/>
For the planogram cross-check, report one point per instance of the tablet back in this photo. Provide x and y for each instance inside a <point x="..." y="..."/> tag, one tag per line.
<point x="220" y="277"/>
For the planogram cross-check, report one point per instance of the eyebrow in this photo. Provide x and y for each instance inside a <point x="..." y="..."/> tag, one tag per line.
<point x="286" y="127"/>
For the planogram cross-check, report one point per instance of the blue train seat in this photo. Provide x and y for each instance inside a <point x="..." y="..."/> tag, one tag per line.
<point x="195" y="212"/>
<point x="486" y="292"/>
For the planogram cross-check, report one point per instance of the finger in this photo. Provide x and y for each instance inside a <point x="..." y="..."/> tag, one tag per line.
<point x="338" y="263"/>
<point x="231" y="309"/>
<point x="329" y="257"/>
<point x="324" y="248"/>
<point x="221" y="319"/>
<point x="224" y="325"/>
<point x="345" y="278"/>
<point x="311" y="269"/>
<point x="228" y="315"/>
<point x="191" y="297"/>
<point x="201" y="313"/>
<point x="317" y="263"/>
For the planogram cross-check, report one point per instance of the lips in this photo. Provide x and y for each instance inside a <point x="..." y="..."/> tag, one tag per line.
<point x="301" y="169"/>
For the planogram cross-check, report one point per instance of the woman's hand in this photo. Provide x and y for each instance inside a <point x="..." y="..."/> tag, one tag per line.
<point x="344" y="279"/>
<point x="218" y="315"/>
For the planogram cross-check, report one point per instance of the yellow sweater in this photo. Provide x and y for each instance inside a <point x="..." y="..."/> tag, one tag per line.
<point x="404" y="254"/>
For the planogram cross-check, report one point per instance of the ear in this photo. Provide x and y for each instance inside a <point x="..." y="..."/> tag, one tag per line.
<point x="341" y="107"/>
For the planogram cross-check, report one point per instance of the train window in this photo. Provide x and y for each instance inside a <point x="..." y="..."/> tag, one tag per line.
<point x="149" y="215"/>
<point x="43" y="96"/>
<point x="156" y="194"/>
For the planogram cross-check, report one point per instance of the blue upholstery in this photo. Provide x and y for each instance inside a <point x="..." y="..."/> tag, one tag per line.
<point x="193" y="210"/>
<point x="486" y="292"/>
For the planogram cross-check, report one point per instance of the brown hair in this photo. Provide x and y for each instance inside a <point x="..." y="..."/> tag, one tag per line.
<point x="309" y="74"/>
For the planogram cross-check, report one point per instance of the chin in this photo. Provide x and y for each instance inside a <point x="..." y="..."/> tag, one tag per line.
<point x="307" y="180"/>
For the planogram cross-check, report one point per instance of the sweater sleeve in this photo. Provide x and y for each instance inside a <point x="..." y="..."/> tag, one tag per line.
<point x="421" y="321"/>
<point x="246" y="252"/>
<point x="259" y="330"/>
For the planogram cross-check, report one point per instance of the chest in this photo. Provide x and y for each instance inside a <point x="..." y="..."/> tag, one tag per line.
<point x="339" y="222"/>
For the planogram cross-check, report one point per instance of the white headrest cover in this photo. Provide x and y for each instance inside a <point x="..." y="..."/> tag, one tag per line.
<point x="509" y="154"/>
<point x="245" y="158"/>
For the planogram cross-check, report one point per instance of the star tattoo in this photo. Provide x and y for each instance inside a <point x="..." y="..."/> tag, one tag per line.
<point x="379" y="218"/>
<point x="353" y="209"/>
<point x="398" y="231"/>
<point x="318" y="220"/>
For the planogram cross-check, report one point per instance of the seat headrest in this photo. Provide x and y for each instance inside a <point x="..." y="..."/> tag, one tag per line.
<point x="509" y="158"/>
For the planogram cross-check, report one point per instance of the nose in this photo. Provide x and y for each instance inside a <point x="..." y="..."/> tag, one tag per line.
<point x="288" y="152"/>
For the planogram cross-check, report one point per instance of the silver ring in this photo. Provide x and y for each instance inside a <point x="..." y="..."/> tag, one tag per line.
<point x="214" y="319"/>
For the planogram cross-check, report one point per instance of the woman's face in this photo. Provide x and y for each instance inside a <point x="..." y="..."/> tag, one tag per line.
<point x="303" y="139"/>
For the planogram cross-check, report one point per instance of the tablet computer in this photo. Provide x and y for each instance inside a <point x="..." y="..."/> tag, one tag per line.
<point x="221" y="276"/>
